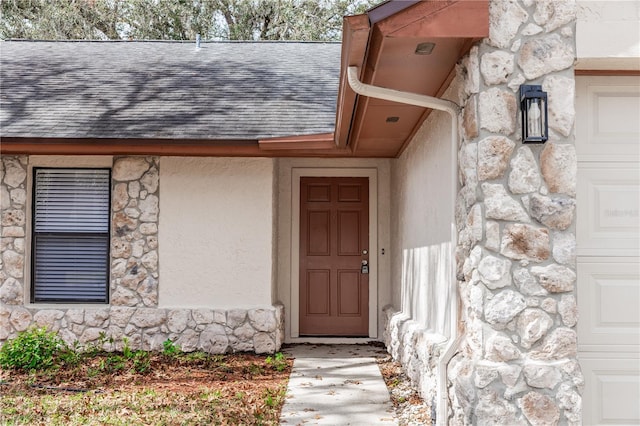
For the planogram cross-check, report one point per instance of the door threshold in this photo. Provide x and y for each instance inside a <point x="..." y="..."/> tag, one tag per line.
<point x="332" y="340"/>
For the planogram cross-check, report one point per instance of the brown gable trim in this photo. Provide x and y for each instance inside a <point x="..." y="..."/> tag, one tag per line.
<point x="195" y="148"/>
<point x="319" y="141"/>
<point x="630" y="73"/>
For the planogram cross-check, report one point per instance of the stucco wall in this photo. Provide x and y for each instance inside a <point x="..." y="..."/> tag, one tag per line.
<point x="285" y="185"/>
<point x="599" y="24"/>
<point x="216" y="230"/>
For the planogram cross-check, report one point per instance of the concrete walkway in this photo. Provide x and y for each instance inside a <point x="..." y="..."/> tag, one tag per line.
<point x="336" y="385"/>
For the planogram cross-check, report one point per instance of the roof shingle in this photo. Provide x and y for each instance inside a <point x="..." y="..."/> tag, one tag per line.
<point x="168" y="90"/>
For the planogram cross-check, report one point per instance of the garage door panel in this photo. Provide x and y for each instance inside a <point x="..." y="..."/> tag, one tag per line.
<point x="608" y="247"/>
<point x="614" y="387"/>
<point x="608" y="209"/>
<point x="612" y="107"/>
<point x="608" y="296"/>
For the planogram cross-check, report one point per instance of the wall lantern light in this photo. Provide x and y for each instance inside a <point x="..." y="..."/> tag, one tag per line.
<point x="533" y="109"/>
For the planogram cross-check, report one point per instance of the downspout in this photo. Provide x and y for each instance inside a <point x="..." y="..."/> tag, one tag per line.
<point x="453" y="110"/>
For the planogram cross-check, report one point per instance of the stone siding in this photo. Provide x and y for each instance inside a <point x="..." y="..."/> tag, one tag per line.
<point x="133" y="312"/>
<point x="516" y="220"/>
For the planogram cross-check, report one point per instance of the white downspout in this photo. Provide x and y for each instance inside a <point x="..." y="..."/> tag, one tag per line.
<point x="453" y="110"/>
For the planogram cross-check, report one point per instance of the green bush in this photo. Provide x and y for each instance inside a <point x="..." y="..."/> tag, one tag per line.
<point x="32" y="349"/>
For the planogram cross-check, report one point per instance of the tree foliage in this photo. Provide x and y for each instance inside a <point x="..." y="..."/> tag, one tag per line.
<point x="176" y="19"/>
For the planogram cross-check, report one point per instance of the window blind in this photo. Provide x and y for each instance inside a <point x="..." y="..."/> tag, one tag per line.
<point x="71" y="235"/>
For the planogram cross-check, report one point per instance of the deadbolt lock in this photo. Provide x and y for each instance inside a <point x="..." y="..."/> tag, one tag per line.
<point x="364" y="269"/>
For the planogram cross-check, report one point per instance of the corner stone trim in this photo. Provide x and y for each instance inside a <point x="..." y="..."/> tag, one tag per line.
<point x="259" y="330"/>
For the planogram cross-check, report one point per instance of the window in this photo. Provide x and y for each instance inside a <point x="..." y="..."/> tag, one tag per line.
<point x="71" y="235"/>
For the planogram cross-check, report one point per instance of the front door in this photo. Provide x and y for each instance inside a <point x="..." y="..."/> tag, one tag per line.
<point x="334" y="255"/>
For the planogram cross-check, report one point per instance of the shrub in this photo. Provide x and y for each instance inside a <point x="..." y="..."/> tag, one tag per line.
<point x="32" y="349"/>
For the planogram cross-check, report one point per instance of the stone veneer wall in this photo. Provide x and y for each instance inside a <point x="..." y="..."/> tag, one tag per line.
<point x="516" y="220"/>
<point x="133" y="312"/>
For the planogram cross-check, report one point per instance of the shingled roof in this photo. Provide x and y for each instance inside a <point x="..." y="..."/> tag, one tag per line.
<point x="167" y="90"/>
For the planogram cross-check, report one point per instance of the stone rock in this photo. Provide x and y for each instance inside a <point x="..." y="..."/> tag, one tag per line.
<point x="498" y="110"/>
<point x="509" y="374"/>
<point x="568" y="310"/>
<point x="495" y="272"/>
<point x="515" y="83"/>
<point x="91" y="334"/>
<point x="496" y="67"/>
<point x="48" y="318"/>
<point x="527" y="284"/>
<point x="526" y="242"/>
<point x="19" y="196"/>
<point x="564" y="248"/>
<point x="559" y="167"/>
<point x="14" y="173"/>
<point x="555" y="278"/>
<point x="120" y="248"/>
<point x="499" y="205"/>
<point x="150" y="180"/>
<point x="468" y="163"/>
<point x="543" y="55"/>
<point x="148" y="290"/>
<point x="18" y="244"/>
<point x="188" y="340"/>
<point x="177" y="320"/>
<point x="549" y="305"/>
<point x="137" y="248"/>
<point x="148" y="228"/>
<point x="485" y="375"/>
<point x="120" y="316"/>
<point x="134" y="189"/>
<point x="470" y="119"/>
<point x="149" y="209"/>
<point x="539" y="409"/>
<point x="472" y="70"/>
<point x="236" y="317"/>
<point x="129" y="168"/>
<point x="493" y="409"/>
<point x="20" y="319"/>
<point x="524" y="176"/>
<point x="5" y="198"/>
<point x="148" y="317"/>
<point x="263" y="319"/>
<point x="11" y="292"/>
<point x="476" y="299"/>
<point x="244" y="332"/>
<point x="96" y="317"/>
<point x="75" y="316"/>
<point x="493" y="156"/>
<point x="150" y="260"/>
<point x="202" y="316"/>
<point x="560" y="343"/>
<point x="214" y="340"/>
<point x="532" y="325"/>
<point x="474" y="223"/>
<point x="554" y="13"/>
<point x="571" y="402"/>
<point x="531" y="29"/>
<point x="124" y="297"/>
<point x="12" y="231"/>
<point x="120" y="197"/>
<point x="503" y="307"/>
<point x="492" y="232"/>
<point x="13" y="263"/>
<point x="264" y="344"/>
<point x="561" y="97"/>
<point x="554" y="212"/>
<point x="542" y="376"/>
<point x="505" y="18"/>
<point x="13" y="218"/>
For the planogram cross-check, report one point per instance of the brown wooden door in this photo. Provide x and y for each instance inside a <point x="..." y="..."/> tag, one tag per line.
<point x="334" y="240"/>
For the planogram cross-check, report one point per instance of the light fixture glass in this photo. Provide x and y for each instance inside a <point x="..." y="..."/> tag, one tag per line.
<point x="533" y="110"/>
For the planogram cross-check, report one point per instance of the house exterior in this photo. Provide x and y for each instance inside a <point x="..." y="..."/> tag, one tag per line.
<point x="224" y="200"/>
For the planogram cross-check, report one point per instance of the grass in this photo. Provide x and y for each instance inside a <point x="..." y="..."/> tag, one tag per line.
<point x="137" y="387"/>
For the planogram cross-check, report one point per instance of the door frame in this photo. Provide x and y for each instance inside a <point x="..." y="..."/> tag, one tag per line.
<point x="296" y="174"/>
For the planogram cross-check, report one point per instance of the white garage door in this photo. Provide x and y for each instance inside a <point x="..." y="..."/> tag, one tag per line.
<point x="608" y="247"/>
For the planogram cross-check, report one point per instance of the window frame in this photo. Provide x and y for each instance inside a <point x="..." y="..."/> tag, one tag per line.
<point x="33" y="234"/>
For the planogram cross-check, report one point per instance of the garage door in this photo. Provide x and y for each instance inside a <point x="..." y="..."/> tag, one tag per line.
<point x="608" y="247"/>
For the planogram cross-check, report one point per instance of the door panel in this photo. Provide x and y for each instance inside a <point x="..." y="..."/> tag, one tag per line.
<point x="334" y="239"/>
<point x="608" y="247"/>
